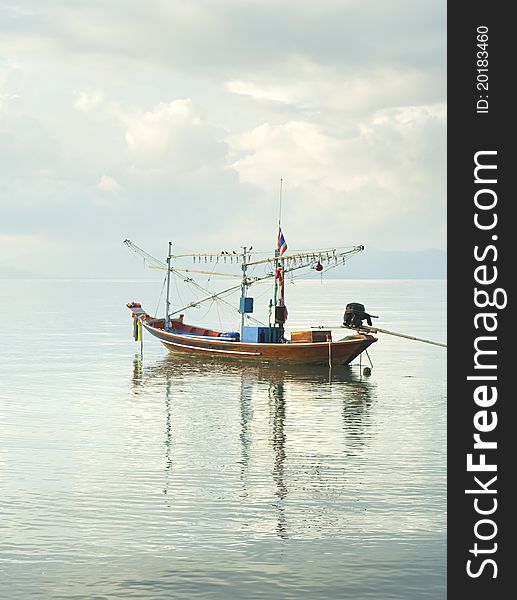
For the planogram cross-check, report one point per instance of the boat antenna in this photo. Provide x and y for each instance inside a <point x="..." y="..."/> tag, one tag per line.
<point x="167" y="301"/>
<point x="275" y="288"/>
<point x="280" y="262"/>
<point x="278" y="304"/>
<point x="280" y="203"/>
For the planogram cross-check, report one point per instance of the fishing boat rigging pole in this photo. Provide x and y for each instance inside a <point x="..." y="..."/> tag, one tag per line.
<point x="295" y="261"/>
<point x="155" y="263"/>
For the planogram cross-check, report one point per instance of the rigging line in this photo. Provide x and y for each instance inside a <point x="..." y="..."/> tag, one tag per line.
<point x="190" y="284"/>
<point x="225" y="304"/>
<point x="194" y="284"/>
<point x="213" y="271"/>
<point x="210" y="273"/>
<point x="196" y="293"/>
<point x="256" y="321"/>
<point x="206" y="313"/>
<point x="218" y="315"/>
<point x="177" y="288"/>
<point x="189" y="281"/>
<point x="137" y="250"/>
<point x="217" y="298"/>
<point x="327" y="268"/>
<point x="234" y="309"/>
<point x="161" y="293"/>
<point x="237" y="287"/>
<point x="208" y="254"/>
<point x="212" y="297"/>
<point x="306" y="257"/>
<point x="262" y="294"/>
<point x="152" y="260"/>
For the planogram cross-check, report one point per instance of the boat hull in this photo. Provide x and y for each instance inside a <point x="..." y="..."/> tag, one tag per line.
<point x="336" y="353"/>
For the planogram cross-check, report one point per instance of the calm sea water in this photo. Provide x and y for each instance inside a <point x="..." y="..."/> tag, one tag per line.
<point x="166" y="477"/>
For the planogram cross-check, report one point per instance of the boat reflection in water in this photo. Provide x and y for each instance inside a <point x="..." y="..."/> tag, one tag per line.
<point x="284" y="443"/>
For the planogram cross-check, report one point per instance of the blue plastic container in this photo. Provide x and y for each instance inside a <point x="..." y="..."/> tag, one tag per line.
<point x="260" y="335"/>
<point x="246" y="305"/>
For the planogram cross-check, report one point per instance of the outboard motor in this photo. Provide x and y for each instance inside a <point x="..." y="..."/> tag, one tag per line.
<point x="355" y="314"/>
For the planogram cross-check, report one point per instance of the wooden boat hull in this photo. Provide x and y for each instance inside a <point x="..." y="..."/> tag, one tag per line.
<point x="340" y="352"/>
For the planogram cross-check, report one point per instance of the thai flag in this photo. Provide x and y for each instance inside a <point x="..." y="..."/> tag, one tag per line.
<point x="281" y="243"/>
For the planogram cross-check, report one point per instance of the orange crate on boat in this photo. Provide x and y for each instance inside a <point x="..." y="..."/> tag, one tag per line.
<point x="317" y="335"/>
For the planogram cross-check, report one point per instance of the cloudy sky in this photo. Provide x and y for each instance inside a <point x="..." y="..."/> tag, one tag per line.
<point x="175" y="120"/>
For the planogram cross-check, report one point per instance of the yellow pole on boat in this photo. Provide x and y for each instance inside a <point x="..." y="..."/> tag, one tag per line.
<point x="140" y="336"/>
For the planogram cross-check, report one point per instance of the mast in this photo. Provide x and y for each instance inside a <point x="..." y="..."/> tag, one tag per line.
<point x="244" y="286"/>
<point x="275" y="289"/>
<point x="280" y="310"/>
<point x="277" y="251"/>
<point x="167" y="301"/>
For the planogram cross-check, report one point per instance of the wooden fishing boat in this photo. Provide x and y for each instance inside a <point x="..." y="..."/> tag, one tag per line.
<point x="255" y="341"/>
<point x="180" y="337"/>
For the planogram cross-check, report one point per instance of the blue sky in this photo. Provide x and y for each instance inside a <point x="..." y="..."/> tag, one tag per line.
<point x="170" y="120"/>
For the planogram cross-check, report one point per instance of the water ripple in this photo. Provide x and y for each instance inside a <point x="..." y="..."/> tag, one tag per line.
<point x="168" y="477"/>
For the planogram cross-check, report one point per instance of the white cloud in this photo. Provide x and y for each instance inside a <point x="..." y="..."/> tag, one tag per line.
<point x="171" y="138"/>
<point x="383" y="150"/>
<point x="87" y="101"/>
<point x="349" y="91"/>
<point x="151" y="130"/>
<point x="299" y="150"/>
<point x="389" y="171"/>
<point x="200" y="108"/>
<point x="8" y="100"/>
<point x="258" y="92"/>
<point x="236" y="36"/>
<point x="108" y="184"/>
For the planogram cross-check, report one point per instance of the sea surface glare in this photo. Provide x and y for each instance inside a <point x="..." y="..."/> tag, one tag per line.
<point x="162" y="476"/>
